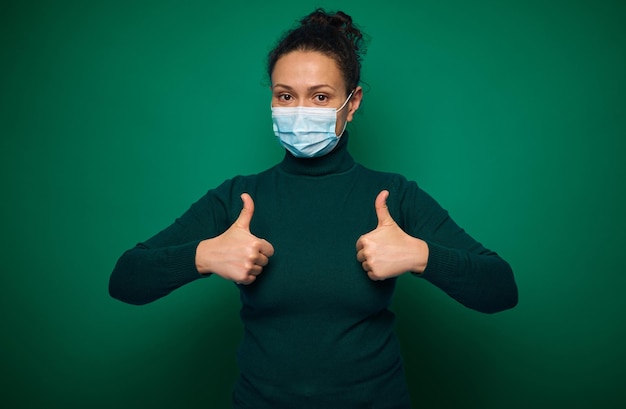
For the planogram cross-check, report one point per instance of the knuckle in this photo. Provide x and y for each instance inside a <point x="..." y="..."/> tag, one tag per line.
<point x="256" y="245"/>
<point x="375" y="276"/>
<point x="245" y="279"/>
<point x="248" y="266"/>
<point x="369" y="255"/>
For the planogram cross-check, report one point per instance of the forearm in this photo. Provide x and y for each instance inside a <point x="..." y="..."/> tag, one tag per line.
<point x="144" y="274"/>
<point x="480" y="281"/>
<point x="458" y="264"/>
<point x="167" y="260"/>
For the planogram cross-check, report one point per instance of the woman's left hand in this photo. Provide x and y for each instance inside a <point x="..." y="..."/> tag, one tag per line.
<point x="387" y="251"/>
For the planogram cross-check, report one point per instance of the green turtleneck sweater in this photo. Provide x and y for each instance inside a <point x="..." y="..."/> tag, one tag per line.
<point x="317" y="331"/>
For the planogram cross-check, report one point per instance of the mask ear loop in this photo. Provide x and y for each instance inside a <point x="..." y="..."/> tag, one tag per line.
<point x="346" y="101"/>
<point x="340" y="108"/>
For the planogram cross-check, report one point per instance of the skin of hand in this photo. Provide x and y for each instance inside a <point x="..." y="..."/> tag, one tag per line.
<point x="236" y="255"/>
<point x="387" y="251"/>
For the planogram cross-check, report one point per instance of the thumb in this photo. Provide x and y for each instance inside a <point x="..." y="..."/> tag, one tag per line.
<point x="382" y="212"/>
<point x="245" y="216"/>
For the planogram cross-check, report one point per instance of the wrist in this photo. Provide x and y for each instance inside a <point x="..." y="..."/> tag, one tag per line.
<point x="421" y="256"/>
<point x="201" y="265"/>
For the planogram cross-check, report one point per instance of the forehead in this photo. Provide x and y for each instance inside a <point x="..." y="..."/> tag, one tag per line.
<point x="307" y="68"/>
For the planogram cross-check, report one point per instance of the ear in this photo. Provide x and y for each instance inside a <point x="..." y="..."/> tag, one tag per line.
<point x="354" y="103"/>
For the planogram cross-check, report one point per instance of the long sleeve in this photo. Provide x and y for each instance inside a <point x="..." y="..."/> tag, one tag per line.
<point x="459" y="265"/>
<point x="166" y="261"/>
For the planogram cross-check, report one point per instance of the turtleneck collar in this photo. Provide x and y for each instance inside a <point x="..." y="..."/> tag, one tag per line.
<point x="336" y="161"/>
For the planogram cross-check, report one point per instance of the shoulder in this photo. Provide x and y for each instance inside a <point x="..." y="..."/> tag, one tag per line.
<point x="227" y="195"/>
<point x="241" y="183"/>
<point x="393" y="181"/>
<point x="407" y="200"/>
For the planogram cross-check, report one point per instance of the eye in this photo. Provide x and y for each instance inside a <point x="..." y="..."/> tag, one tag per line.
<point x="321" y="98"/>
<point x="285" y="97"/>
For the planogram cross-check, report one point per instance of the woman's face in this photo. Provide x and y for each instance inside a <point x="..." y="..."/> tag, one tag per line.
<point x="311" y="79"/>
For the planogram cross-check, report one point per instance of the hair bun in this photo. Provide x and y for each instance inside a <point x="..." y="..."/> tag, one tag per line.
<point x="339" y="21"/>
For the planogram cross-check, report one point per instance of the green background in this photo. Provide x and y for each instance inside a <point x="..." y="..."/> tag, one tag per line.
<point x="115" y="116"/>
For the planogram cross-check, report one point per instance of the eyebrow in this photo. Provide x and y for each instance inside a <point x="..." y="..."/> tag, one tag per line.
<point x="311" y="88"/>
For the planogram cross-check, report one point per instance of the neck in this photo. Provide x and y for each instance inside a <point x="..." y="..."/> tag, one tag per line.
<point x="336" y="161"/>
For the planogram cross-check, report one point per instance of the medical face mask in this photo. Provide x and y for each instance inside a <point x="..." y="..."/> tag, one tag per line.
<point x="307" y="132"/>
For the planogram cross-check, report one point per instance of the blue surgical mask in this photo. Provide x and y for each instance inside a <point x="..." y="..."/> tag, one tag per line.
<point x="307" y="132"/>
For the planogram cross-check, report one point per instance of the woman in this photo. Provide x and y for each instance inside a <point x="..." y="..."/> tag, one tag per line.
<point x="315" y="244"/>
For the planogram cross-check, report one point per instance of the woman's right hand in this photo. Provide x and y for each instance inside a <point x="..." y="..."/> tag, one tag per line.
<point x="236" y="254"/>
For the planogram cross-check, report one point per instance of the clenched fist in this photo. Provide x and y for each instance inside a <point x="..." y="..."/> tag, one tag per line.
<point x="388" y="251"/>
<point x="236" y="254"/>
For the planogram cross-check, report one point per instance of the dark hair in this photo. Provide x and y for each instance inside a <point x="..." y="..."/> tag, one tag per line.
<point x="333" y="35"/>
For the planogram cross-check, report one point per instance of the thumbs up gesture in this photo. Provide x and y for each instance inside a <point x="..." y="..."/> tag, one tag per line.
<point x="236" y="254"/>
<point x="387" y="251"/>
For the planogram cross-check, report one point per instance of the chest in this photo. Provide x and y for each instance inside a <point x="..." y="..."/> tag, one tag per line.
<point x="313" y="226"/>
